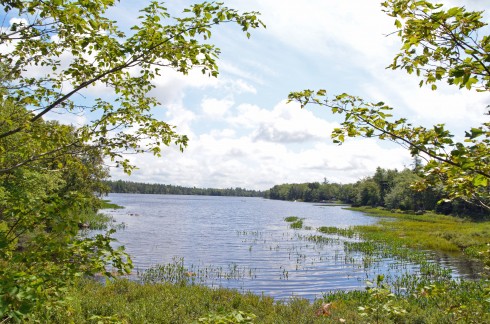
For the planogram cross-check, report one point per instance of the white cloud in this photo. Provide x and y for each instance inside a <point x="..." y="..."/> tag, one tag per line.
<point x="285" y="123"/>
<point x="351" y="30"/>
<point x="457" y="109"/>
<point x="180" y="117"/>
<point x="238" y="72"/>
<point x="243" y="135"/>
<point x="213" y="161"/>
<point x="226" y="158"/>
<point x="216" y="108"/>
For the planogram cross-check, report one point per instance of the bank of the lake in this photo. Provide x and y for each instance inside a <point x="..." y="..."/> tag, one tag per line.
<point x="124" y="301"/>
<point x="431" y="296"/>
<point x="456" y="236"/>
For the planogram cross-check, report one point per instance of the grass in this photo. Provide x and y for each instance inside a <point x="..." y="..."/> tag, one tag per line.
<point x="295" y="222"/>
<point x="130" y="302"/>
<point x="169" y="294"/>
<point x="347" y="232"/>
<point x="124" y="301"/>
<point x="429" y="231"/>
<point x="291" y="219"/>
<point x="95" y="221"/>
<point x="106" y="204"/>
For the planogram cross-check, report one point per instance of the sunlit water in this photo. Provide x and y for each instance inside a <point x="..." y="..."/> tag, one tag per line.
<point x="244" y="243"/>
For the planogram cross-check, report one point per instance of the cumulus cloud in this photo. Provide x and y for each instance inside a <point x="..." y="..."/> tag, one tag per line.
<point x="243" y="134"/>
<point x="229" y="158"/>
<point x="284" y="123"/>
<point x="212" y="161"/>
<point x="216" y="108"/>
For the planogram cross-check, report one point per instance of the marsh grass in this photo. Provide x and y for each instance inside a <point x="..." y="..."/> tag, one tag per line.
<point x="95" y="220"/>
<point x="291" y="219"/>
<point x="130" y="302"/>
<point x="173" y="294"/>
<point x="297" y="224"/>
<point x="428" y="231"/>
<point x="294" y="222"/>
<point x="177" y="273"/>
<point x="125" y="301"/>
<point x="347" y="232"/>
<point x="106" y="204"/>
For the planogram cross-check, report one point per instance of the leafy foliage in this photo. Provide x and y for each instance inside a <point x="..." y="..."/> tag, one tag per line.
<point x="50" y="174"/>
<point x="121" y="186"/>
<point x="41" y="251"/>
<point x="441" y="44"/>
<point x="233" y="317"/>
<point x="392" y="189"/>
<point x="445" y="302"/>
<point x="382" y="303"/>
<point x="72" y="45"/>
<point x="437" y="44"/>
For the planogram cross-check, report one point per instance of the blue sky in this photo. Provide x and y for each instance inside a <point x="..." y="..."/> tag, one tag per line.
<point x="243" y="134"/>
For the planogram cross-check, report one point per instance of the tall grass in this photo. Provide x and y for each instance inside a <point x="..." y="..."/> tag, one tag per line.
<point x="125" y="301"/>
<point x="428" y="231"/>
<point x="170" y="294"/>
<point x="106" y="204"/>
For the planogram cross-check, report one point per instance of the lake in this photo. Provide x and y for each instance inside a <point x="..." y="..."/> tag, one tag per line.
<point x="245" y="243"/>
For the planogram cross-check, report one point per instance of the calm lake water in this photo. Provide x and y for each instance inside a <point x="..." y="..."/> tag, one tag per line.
<point x="244" y="243"/>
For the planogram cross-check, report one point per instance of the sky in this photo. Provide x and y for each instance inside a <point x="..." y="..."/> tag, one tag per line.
<point x="242" y="131"/>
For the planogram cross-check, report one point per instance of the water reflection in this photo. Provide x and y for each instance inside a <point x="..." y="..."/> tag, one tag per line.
<point x="250" y="235"/>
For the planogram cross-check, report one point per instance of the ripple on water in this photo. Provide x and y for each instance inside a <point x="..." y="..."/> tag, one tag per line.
<point x="244" y="243"/>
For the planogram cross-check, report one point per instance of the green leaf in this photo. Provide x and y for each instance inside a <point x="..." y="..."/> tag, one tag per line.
<point x="480" y="181"/>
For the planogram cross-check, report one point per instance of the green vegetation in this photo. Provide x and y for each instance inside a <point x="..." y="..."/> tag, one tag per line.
<point x="130" y="302"/>
<point x="438" y="44"/>
<point x="347" y="232"/>
<point x="297" y="224"/>
<point x="43" y="206"/>
<point x="176" y="273"/>
<point x="170" y="293"/>
<point x="428" y="231"/>
<point x="120" y="186"/>
<point x="291" y="219"/>
<point x="106" y="204"/>
<point x="51" y="174"/>
<point x="391" y="189"/>
<point x="94" y="220"/>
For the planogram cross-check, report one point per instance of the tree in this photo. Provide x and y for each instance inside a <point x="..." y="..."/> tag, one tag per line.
<point x="73" y="46"/>
<point x="53" y="52"/>
<point x="368" y="193"/>
<point x="438" y="45"/>
<point x="402" y="196"/>
<point x="41" y="207"/>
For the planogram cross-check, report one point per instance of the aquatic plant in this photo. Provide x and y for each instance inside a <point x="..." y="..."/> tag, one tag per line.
<point x="297" y="224"/>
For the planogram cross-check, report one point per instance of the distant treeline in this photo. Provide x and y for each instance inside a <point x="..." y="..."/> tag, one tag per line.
<point x="391" y="189"/>
<point x="120" y="186"/>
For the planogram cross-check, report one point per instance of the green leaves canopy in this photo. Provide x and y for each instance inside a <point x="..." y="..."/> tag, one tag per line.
<point x="441" y="44"/>
<point x="71" y="46"/>
<point x="438" y="44"/>
<point x="53" y="52"/>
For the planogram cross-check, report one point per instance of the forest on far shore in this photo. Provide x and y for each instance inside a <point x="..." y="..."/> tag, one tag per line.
<point x="388" y="188"/>
<point x="120" y="186"/>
